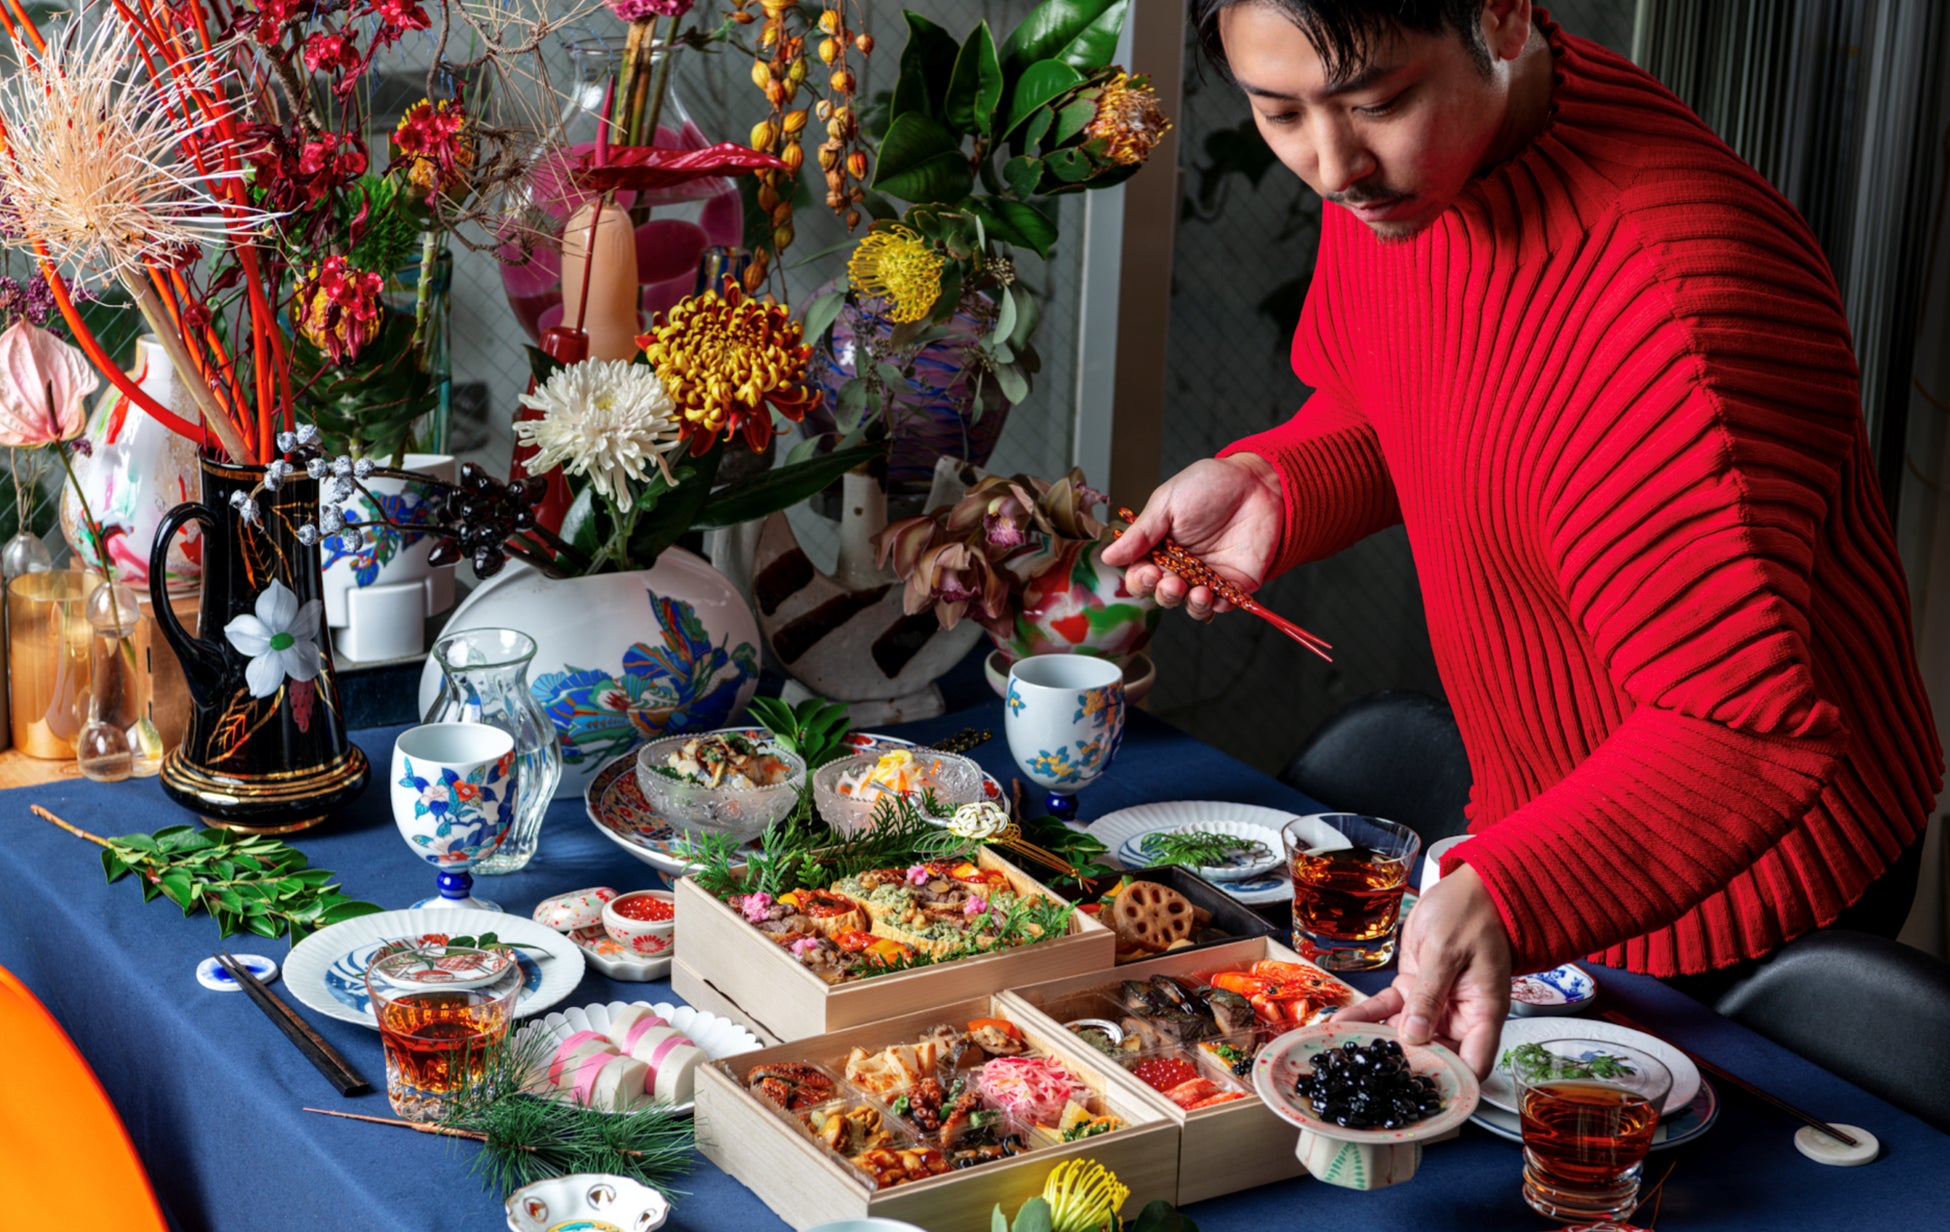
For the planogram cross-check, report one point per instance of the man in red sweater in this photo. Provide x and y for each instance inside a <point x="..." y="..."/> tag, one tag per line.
<point x="1599" y="370"/>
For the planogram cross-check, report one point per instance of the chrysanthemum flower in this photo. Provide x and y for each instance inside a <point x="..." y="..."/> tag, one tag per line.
<point x="340" y="307"/>
<point x="895" y="264"/>
<point x="607" y="419"/>
<point x="729" y="362"/>
<point x="1128" y="120"/>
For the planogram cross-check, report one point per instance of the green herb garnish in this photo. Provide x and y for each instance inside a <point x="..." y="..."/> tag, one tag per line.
<point x="1534" y="1063"/>
<point x="1199" y="848"/>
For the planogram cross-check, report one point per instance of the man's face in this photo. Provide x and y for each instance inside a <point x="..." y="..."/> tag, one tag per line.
<point x="1395" y="141"/>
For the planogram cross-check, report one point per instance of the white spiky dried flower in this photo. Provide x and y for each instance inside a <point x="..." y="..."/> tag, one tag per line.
<point x="94" y="166"/>
<point x="608" y="419"/>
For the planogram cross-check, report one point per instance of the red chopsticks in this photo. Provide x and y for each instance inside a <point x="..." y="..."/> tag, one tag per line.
<point x="1172" y="558"/>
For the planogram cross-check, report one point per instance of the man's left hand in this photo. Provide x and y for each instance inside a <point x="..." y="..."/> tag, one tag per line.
<point x="1454" y="980"/>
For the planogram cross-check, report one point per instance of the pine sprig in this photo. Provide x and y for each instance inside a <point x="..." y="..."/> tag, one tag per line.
<point x="247" y="882"/>
<point x="1198" y="848"/>
<point x="526" y="1139"/>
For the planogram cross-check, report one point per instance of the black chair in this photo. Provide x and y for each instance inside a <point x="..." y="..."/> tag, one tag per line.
<point x="1867" y="1009"/>
<point x="1395" y="754"/>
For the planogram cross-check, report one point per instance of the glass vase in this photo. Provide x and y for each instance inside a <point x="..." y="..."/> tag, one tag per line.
<point x="429" y="300"/>
<point x="118" y="741"/>
<point x="484" y="679"/>
<point x="673" y="226"/>
<point x="49" y="644"/>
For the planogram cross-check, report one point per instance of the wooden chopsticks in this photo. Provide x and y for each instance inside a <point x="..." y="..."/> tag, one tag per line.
<point x="321" y="1054"/>
<point x="1736" y="1081"/>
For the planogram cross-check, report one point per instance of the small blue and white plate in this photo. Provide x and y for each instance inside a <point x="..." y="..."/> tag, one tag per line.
<point x="211" y="975"/>
<point x="1561" y="990"/>
<point x="327" y="970"/>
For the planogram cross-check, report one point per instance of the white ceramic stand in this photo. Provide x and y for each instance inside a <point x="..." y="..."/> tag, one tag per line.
<point x="1358" y="1165"/>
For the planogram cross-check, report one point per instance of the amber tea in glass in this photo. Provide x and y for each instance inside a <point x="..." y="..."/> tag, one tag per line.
<point x="1589" y="1109"/>
<point x="441" y="1010"/>
<point x="1349" y="874"/>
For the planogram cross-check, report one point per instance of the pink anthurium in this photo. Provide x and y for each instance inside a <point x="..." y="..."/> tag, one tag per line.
<point x="44" y="387"/>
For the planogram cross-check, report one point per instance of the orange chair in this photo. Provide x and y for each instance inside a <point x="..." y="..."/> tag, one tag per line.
<point x="60" y="1137"/>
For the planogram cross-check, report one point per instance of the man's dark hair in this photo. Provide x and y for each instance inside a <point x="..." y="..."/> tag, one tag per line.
<point x="1346" y="32"/>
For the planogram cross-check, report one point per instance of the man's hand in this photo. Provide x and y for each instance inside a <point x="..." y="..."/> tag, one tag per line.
<point x="1226" y="511"/>
<point x="1454" y="981"/>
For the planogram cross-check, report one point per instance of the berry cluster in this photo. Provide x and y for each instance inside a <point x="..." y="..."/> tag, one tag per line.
<point x="1368" y="1086"/>
<point x="477" y="517"/>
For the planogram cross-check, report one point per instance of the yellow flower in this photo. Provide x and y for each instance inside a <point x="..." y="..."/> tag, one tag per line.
<point x="728" y="362"/>
<point x="1128" y="120"/>
<point x="436" y="142"/>
<point x="895" y="264"/>
<point x="1084" y="1196"/>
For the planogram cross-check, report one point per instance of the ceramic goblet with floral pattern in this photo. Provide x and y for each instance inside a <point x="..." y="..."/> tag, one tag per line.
<point x="453" y="801"/>
<point x="1064" y="716"/>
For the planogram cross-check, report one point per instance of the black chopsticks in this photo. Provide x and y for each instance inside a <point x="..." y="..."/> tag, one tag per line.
<point x="1737" y="1082"/>
<point x="321" y="1054"/>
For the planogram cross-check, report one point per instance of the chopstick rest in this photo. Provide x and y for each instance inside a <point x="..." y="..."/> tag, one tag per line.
<point x="211" y="975"/>
<point x="1833" y="1151"/>
<point x="321" y="1054"/>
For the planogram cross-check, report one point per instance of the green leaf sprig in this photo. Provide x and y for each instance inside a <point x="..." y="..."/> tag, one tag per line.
<point x="1534" y="1063"/>
<point x="815" y="729"/>
<point x="247" y="882"/>
<point x="1198" y="848"/>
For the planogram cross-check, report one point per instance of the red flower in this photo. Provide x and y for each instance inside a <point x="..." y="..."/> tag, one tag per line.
<point x="396" y="17"/>
<point x="339" y="309"/>
<point x="637" y="168"/>
<point x="436" y="144"/>
<point x="271" y="18"/>
<point x="333" y="53"/>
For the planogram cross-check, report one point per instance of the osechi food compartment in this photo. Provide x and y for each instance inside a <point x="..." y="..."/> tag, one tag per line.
<point x="953" y="1096"/>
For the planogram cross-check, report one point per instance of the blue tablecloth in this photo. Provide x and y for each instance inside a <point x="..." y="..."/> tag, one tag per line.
<point x="212" y="1094"/>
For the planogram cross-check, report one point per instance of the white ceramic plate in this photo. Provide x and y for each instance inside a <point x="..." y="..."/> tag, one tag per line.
<point x="615" y="803"/>
<point x="1244" y="868"/>
<point x="1286" y="1058"/>
<point x="718" y="1037"/>
<point x="1127" y="827"/>
<point x="326" y="970"/>
<point x="1561" y="990"/>
<point x="1675" y="1129"/>
<point x="589" y="1201"/>
<point x="616" y="961"/>
<point x="1500" y="1090"/>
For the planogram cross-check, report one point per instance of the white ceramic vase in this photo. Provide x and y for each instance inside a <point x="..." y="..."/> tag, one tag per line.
<point x="622" y="658"/>
<point x="379" y="597"/>
<point x="137" y="471"/>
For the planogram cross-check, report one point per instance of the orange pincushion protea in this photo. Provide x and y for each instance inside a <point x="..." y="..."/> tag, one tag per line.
<point x="728" y="362"/>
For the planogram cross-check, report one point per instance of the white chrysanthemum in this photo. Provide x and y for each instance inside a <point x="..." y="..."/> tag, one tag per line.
<point x="605" y="418"/>
<point x="95" y="169"/>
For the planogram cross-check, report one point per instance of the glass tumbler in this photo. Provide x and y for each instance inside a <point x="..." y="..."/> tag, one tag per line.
<point x="441" y="1010"/>
<point x="484" y="679"/>
<point x="1588" y="1109"/>
<point x="1349" y="874"/>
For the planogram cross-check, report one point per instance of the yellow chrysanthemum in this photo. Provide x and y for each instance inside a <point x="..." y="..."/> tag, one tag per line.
<point x="728" y="362"/>
<point x="897" y="265"/>
<point x="1084" y="1196"/>
<point x="1128" y="119"/>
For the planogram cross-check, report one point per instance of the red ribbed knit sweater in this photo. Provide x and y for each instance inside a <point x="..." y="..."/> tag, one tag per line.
<point x="1612" y="397"/>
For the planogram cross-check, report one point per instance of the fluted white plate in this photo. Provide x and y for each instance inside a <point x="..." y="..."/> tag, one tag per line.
<point x="1123" y="830"/>
<point x="1254" y="869"/>
<point x="1500" y="1089"/>
<point x="718" y="1037"/>
<point x="326" y="970"/>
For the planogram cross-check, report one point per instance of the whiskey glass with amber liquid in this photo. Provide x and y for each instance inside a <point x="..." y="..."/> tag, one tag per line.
<point x="1349" y="874"/>
<point x="441" y="1011"/>
<point x="1589" y="1109"/>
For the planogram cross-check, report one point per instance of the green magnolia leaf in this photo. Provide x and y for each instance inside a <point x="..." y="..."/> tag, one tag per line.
<point x="975" y="88"/>
<point x="579" y="523"/>
<point x="1081" y="33"/>
<point x="1040" y="84"/>
<point x="1039" y="126"/>
<point x="780" y="488"/>
<point x="1033" y="1217"/>
<point x="927" y="62"/>
<point x="1018" y="223"/>
<point x="1014" y="385"/>
<point x="1070" y="166"/>
<point x="821" y="313"/>
<point x="921" y="161"/>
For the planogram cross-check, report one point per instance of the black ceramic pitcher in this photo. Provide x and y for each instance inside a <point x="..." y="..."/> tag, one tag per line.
<point x="266" y="749"/>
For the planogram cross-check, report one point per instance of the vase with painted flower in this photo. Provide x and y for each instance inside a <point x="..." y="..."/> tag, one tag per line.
<point x="266" y="748"/>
